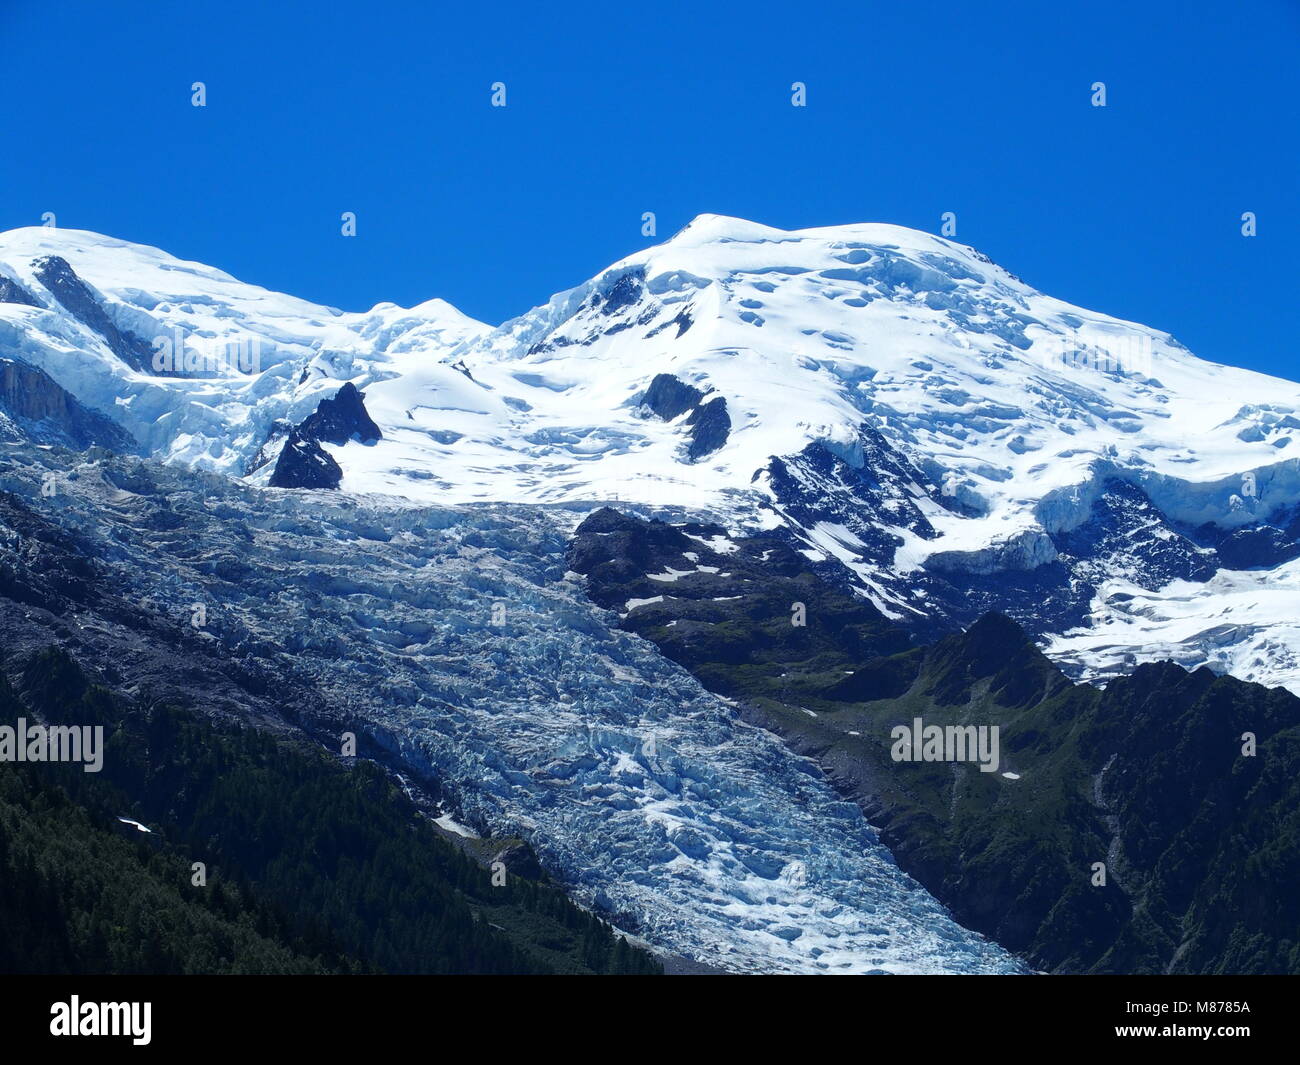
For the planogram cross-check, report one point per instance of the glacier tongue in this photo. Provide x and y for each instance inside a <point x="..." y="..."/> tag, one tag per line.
<point x="638" y="789"/>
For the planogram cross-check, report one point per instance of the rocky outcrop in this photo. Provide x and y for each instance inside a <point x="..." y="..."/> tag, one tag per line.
<point x="35" y="407"/>
<point x="341" y="419"/>
<point x="624" y="292"/>
<point x="669" y="397"/>
<point x="303" y="463"/>
<point x="12" y="292"/>
<point x="710" y="425"/>
<point x="78" y="300"/>
<point x="275" y="438"/>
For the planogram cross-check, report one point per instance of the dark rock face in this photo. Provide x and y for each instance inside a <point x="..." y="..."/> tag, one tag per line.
<point x="669" y="397"/>
<point x="734" y="603"/>
<point x="868" y="500"/>
<point x="624" y="292"/>
<point x="1265" y="545"/>
<point x="519" y="858"/>
<point x="711" y="425"/>
<point x="1262" y="546"/>
<point x="343" y="418"/>
<point x="1113" y="542"/>
<point x="873" y="503"/>
<point x="1125" y="536"/>
<point x="12" y="292"/>
<point x="303" y="463"/>
<point x="33" y="406"/>
<point x="77" y="299"/>
<point x="1045" y="583"/>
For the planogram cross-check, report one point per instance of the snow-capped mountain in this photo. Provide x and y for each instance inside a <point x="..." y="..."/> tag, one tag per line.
<point x="928" y="428"/>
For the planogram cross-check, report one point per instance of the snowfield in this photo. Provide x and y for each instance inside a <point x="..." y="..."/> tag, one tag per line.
<point x="1239" y="622"/>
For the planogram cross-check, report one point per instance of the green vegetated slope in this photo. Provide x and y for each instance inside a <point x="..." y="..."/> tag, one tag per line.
<point x="312" y="865"/>
<point x="1201" y="843"/>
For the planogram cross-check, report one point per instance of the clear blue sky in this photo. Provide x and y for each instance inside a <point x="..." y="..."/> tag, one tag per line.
<point x="914" y="109"/>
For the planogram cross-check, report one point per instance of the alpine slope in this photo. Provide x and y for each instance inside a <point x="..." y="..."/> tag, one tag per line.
<point x="927" y="428"/>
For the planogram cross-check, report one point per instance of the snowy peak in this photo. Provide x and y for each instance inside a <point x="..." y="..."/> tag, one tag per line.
<point x="999" y="392"/>
<point x="917" y="419"/>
